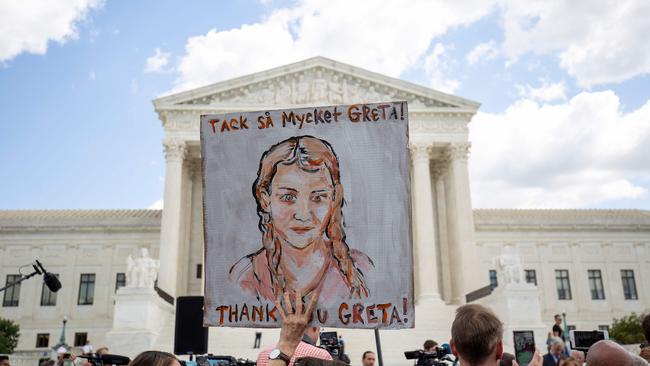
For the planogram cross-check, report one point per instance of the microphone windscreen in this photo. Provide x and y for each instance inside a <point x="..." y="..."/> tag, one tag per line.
<point x="51" y="282"/>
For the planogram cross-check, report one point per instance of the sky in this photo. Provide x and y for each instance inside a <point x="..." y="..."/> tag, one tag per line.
<point x="564" y="88"/>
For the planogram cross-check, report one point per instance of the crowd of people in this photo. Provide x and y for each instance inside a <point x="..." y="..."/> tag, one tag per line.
<point x="476" y="340"/>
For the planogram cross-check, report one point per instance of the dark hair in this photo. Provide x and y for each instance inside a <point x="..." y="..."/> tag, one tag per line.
<point x="646" y="327"/>
<point x="476" y="331"/>
<point x="364" y="355"/>
<point x="153" y="358"/>
<point x="4" y="357"/>
<point x="429" y="343"/>
<point x="506" y="359"/>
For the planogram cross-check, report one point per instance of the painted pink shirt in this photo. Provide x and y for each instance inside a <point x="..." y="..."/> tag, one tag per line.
<point x="253" y="276"/>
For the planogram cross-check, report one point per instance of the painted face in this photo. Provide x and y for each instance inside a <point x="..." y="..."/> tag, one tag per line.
<point x="301" y="203"/>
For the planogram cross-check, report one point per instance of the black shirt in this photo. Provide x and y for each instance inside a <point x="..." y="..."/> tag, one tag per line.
<point x="558" y="329"/>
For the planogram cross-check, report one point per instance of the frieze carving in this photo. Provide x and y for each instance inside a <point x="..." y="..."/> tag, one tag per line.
<point x="439" y="125"/>
<point x="315" y="86"/>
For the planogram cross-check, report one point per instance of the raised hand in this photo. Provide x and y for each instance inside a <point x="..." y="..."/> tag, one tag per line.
<point x="294" y="322"/>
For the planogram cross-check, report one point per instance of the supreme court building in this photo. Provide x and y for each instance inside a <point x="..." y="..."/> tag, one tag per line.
<point x="593" y="265"/>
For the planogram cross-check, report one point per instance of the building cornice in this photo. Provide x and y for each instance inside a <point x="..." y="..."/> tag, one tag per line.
<point x="561" y="220"/>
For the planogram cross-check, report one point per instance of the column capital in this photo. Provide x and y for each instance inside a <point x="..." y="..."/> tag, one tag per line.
<point x="439" y="167"/>
<point x="458" y="150"/>
<point x="194" y="166"/>
<point x="175" y="150"/>
<point x="420" y="151"/>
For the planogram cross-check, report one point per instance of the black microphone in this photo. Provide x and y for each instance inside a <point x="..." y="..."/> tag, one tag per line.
<point x="108" y="359"/>
<point x="50" y="280"/>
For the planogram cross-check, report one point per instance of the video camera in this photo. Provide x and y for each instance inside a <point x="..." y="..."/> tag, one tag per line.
<point x="211" y="360"/>
<point x="438" y="357"/>
<point x="330" y="342"/>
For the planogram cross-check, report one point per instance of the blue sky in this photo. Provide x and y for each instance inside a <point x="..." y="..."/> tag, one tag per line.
<point x="564" y="121"/>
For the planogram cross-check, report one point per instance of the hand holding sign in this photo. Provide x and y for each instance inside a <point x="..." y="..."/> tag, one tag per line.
<point x="295" y="322"/>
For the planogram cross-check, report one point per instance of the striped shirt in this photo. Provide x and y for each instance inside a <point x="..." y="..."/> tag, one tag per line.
<point x="303" y="350"/>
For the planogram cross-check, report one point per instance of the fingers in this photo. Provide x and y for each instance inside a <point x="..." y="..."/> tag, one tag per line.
<point x="299" y="302"/>
<point x="312" y="304"/>
<point x="283" y="315"/>
<point x="287" y="303"/>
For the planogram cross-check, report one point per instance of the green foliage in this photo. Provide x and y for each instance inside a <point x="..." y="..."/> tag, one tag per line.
<point x="627" y="330"/>
<point x="9" y="333"/>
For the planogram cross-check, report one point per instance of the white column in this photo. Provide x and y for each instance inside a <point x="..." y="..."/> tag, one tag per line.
<point x="460" y="224"/>
<point x="170" y="232"/>
<point x="439" y="169"/>
<point x="425" y="253"/>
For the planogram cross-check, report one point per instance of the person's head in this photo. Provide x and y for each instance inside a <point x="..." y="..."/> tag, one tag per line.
<point x="476" y="335"/>
<point x="507" y="359"/>
<point x="429" y="345"/>
<point x="299" y="199"/>
<point x="570" y="361"/>
<point x="155" y="358"/>
<point x="558" y="319"/>
<point x="607" y="352"/>
<point x="557" y="346"/>
<point x="4" y="360"/>
<point x="368" y="358"/>
<point x="102" y="350"/>
<point x="313" y="333"/>
<point x="578" y="355"/>
<point x="646" y="327"/>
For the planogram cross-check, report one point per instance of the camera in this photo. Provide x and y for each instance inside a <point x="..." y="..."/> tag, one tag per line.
<point x="438" y="357"/>
<point x="211" y="360"/>
<point x="329" y="341"/>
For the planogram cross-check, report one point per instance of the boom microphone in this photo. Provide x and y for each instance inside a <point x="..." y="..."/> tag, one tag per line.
<point x="107" y="359"/>
<point x="50" y="280"/>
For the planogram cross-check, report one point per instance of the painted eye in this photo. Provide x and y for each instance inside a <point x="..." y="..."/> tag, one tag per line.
<point x="288" y="197"/>
<point x="319" y="198"/>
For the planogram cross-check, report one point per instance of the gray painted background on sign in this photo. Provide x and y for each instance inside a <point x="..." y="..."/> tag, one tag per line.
<point x="374" y="172"/>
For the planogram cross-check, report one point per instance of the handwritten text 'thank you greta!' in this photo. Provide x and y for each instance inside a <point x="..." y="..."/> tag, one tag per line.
<point x="303" y="117"/>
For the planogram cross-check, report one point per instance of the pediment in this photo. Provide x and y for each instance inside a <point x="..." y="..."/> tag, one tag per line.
<point x="316" y="81"/>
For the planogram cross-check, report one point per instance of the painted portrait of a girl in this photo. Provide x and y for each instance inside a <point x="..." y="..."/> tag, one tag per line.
<point x="303" y="248"/>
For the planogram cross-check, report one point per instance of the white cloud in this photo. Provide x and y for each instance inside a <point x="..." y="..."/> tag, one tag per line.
<point x="28" y="26"/>
<point x="580" y="153"/>
<point x="435" y="65"/>
<point x="483" y="51"/>
<point x="387" y="36"/>
<point x="157" y="62"/>
<point x="597" y="41"/>
<point x="158" y="205"/>
<point x="546" y="92"/>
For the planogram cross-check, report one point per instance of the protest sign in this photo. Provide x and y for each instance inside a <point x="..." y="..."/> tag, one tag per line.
<point x="312" y="199"/>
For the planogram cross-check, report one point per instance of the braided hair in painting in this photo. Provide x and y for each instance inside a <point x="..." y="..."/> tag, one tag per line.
<point x="311" y="154"/>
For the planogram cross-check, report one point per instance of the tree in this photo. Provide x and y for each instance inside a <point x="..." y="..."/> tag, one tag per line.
<point x="9" y="333"/>
<point x="627" y="330"/>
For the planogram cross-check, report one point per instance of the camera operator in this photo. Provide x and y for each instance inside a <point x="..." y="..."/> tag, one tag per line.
<point x="294" y="327"/>
<point x="477" y="337"/>
<point x="429" y="346"/>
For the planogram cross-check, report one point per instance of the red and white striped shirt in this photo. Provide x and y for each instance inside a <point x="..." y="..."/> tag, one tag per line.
<point x="303" y="350"/>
